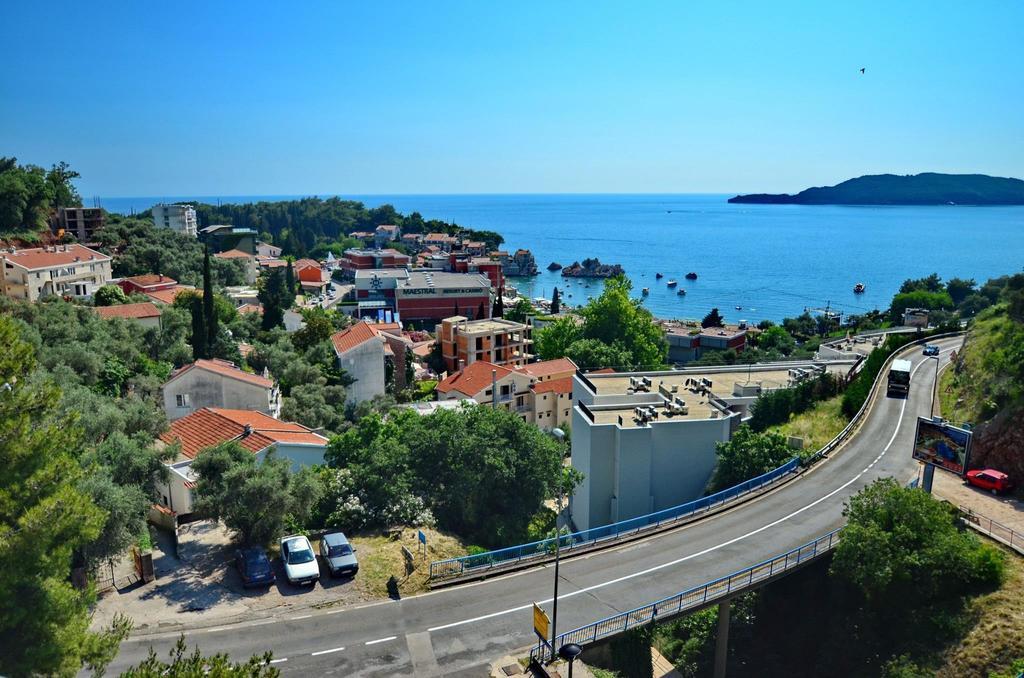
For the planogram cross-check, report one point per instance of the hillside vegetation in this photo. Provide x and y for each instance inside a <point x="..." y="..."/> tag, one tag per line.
<point x="986" y="386"/>
<point x="929" y="188"/>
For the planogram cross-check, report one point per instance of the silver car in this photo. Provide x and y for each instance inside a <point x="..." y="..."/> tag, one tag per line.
<point x="339" y="555"/>
<point x="300" y="564"/>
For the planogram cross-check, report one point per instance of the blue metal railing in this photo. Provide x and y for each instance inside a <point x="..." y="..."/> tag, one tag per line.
<point x="696" y="597"/>
<point x="454" y="567"/>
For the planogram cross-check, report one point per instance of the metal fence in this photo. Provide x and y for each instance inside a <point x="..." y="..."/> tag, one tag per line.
<point x="997" y="531"/>
<point x="697" y="597"/>
<point x="453" y="567"/>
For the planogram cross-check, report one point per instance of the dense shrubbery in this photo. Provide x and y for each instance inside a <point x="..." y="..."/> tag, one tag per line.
<point x="859" y="388"/>
<point x="776" y="407"/>
<point x="28" y="193"/>
<point x="480" y="473"/>
<point x="747" y="455"/>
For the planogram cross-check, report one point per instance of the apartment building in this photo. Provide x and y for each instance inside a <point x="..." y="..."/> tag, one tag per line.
<point x="494" y="340"/>
<point x="180" y="218"/>
<point x="218" y="383"/>
<point x="63" y="270"/>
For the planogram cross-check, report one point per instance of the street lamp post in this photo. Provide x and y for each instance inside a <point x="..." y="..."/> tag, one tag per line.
<point x="558" y="435"/>
<point x="569" y="652"/>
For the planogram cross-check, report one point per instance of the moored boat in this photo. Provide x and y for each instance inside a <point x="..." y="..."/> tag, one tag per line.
<point x="859" y="288"/>
<point x="672" y="283"/>
<point x="645" y="291"/>
<point x="681" y="292"/>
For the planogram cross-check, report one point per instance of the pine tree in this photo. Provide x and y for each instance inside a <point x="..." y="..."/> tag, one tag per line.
<point x="288" y="297"/>
<point x="271" y="295"/>
<point x="713" y="319"/>
<point x="556" y="302"/>
<point x="200" y="349"/>
<point x="209" y="314"/>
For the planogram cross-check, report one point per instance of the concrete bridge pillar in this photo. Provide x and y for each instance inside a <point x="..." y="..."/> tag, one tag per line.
<point x="722" y="640"/>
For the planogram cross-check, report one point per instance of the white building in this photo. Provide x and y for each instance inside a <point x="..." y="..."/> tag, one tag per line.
<point x="360" y="353"/>
<point x="218" y="383"/>
<point x="180" y="218"/>
<point x="62" y="270"/>
<point x="254" y="431"/>
<point x="646" y="441"/>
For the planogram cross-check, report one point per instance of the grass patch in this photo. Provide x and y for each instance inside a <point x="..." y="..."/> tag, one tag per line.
<point x="817" y="426"/>
<point x="997" y="637"/>
<point x="380" y="558"/>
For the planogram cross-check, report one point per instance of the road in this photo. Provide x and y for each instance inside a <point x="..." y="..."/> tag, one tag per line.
<point x="462" y="629"/>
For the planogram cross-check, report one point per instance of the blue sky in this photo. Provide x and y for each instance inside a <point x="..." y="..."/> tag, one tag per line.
<point x="251" y="98"/>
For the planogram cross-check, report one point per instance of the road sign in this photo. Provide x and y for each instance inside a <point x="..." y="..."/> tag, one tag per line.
<point x="541" y="623"/>
<point x="422" y="537"/>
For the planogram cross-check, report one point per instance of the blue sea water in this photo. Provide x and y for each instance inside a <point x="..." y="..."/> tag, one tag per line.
<point x="771" y="260"/>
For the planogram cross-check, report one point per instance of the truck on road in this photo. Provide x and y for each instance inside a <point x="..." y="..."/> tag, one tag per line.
<point x="899" y="379"/>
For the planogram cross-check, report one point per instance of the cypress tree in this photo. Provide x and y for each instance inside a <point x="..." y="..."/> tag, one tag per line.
<point x="199" y="348"/>
<point x="289" y="285"/>
<point x="556" y="302"/>
<point x="209" y="314"/>
<point x="499" y="306"/>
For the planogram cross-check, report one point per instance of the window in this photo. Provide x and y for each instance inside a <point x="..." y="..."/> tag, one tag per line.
<point x="182" y="400"/>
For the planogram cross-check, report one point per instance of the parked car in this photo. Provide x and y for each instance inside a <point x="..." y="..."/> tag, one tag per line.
<point x="989" y="479"/>
<point x="254" y="567"/>
<point x="339" y="555"/>
<point x="931" y="349"/>
<point x="300" y="565"/>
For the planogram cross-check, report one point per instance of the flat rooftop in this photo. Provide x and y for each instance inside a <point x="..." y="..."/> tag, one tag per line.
<point x="487" y="325"/>
<point x="441" y="279"/>
<point x="722" y="382"/>
<point x="697" y="407"/>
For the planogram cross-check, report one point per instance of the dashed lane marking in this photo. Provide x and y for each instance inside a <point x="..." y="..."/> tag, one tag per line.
<point x="333" y="649"/>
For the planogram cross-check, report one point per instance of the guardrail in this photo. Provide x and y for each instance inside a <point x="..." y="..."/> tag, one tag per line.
<point x="697" y="597"/>
<point x="997" y="531"/>
<point x="454" y="567"/>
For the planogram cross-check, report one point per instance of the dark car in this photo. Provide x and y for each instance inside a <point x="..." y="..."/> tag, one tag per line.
<point x="989" y="479"/>
<point x="931" y="350"/>
<point x="253" y="566"/>
<point x="339" y="555"/>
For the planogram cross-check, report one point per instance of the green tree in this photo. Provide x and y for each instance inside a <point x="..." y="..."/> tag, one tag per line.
<point x="776" y="338"/>
<point x="519" y="310"/>
<point x="713" y="319"/>
<point x="61" y="189"/>
<point x="932" y="283"/>
<point x="801" y="327"/>
<point x="200" y="349"/>
<point x="255" y="500"/>
<point x="903" y="549"/>
<point x="272" y="292"/>
<point x="182" y="663"/>
<point x="592" y="354"/>
<point x="960" y="288"/>
<point x="747" y="455"/>
<point x="290" y="288"/>
<point x="209" y="314"/>
<point x="556" y="303"/>
<point x="45" y="520"/>
<point x="918" y="299"/>
<point x="109" y="295"/>
<point x="318" y="328"/>
<point x="553" y="341"/>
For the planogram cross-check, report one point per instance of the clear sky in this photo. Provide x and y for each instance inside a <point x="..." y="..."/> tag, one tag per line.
<point x="244" y="98"/>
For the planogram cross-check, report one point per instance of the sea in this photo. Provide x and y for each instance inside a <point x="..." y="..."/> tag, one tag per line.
<point x="753" y="262"/>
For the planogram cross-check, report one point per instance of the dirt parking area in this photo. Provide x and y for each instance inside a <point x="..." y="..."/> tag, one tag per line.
<point x="1003" y="509"/>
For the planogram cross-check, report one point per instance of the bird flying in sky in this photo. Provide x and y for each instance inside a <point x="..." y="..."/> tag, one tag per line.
<point x="862" y="71"/>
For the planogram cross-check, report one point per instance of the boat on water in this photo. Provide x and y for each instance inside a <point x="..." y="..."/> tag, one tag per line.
<point x="739" y="308"/>
<point x="681" y="292"/>
<point x="691" y="276"/>
<point x="659" y="276"/>
<point x="645" y="291"/>
<point x="859" y="288"/>
<point x="672" y="283"/>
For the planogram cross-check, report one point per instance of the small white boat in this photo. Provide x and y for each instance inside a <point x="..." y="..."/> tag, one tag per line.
<point x="859" y="288"/>
<point x="672" y="283"/>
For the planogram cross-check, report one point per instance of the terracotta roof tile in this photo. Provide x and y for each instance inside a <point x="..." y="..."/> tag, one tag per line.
<point x="168" y="296"/>
<point x="150" y="279"/>
<point x="209" y="426"/>
<point x="42" y="257"/>
<point x="234" y="254"/>
<point x="473" y="379"/>
<point x="563" y="385"/>
<point x="145" y="309"/>
<point x="348" y="339"/>
<point x="546" y="368"/>
<point x="225" y="369"/>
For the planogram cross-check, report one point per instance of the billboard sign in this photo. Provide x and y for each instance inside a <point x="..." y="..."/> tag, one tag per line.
<point x="941" y="444"/>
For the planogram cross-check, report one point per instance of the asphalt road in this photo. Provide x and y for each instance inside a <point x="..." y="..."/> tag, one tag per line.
<point x="460" y="630"/>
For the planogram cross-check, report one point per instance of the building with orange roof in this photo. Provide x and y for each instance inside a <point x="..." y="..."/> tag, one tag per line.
<point x="311" y="276"/>
<point x="360" y="352"/>
<point x="542" y="397"/>
<point x="218" y="383"/>
<point x="146" y="283"/>
<point x="167" y="296"/>
<point x="254" y="431"/>
<point x="61" y="271"/>
<point x="248" y="261"/>
<point x="145" y="313"/>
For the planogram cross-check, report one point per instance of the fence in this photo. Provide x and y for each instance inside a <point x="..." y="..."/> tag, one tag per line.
<point x="997" y="531"/>
<point x="453" y="567"/>
<point x="697" y="597"/>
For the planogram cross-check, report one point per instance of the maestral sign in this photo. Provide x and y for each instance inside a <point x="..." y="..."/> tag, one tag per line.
<point x="941" y="444"/>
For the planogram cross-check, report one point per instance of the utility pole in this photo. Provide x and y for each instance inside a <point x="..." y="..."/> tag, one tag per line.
<point x="554" y="601"/>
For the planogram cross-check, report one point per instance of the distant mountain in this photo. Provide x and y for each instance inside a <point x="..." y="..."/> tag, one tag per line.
<point x="928" y="188"/>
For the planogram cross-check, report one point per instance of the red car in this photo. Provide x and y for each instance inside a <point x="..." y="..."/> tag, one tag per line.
<point x="989" y="479"/>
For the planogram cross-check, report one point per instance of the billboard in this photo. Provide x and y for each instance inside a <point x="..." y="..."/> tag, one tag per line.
<point x="941" y="444"/>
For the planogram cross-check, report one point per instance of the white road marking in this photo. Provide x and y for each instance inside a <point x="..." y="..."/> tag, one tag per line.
<point x="710" y="549"/>
<point x="301" y="616"/>
<point x="333" y="649"/>
<point x="380" y="640"/>
<point x="278" y="661"/>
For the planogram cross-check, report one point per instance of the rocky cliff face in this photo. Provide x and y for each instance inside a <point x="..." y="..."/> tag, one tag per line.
<point x="999" y="443"/>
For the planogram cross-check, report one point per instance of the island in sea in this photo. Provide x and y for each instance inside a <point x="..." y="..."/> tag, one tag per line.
<point x="591" y="268"/>
<point x="928" y="188"/>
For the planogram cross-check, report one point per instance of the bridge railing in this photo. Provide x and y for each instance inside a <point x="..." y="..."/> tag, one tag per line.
<point x="454" y="567"/>
<point x="698" y="596"/>
<point x="997" y="531"/>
